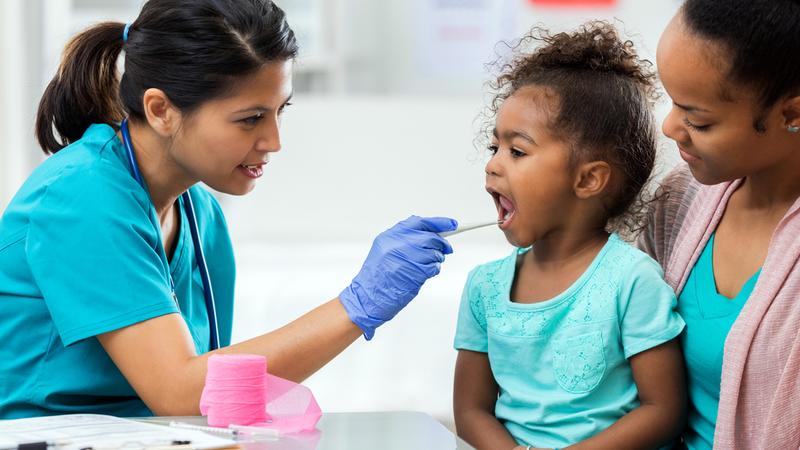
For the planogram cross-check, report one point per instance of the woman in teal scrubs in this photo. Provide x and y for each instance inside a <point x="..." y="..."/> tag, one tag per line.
<point x="730" y="68"/>
<point x="102" y="302"/>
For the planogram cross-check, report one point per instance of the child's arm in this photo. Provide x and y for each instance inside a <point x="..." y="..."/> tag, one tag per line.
<point x="659" y="377"/>
<point x="474" y="398"/>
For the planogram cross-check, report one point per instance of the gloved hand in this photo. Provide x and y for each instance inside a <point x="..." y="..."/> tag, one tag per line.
<point x="402" y="258"/>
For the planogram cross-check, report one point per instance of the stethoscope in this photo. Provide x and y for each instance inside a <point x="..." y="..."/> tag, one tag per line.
<point x="188" y="208"/>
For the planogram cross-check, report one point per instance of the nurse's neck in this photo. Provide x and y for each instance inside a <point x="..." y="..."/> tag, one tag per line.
<point x="165" y="178"/>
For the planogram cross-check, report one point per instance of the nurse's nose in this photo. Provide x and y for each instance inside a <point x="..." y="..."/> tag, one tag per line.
<point x="270" y="139"/>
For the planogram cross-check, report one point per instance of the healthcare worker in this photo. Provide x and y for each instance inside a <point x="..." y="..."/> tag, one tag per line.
<point x="116" y="268"/>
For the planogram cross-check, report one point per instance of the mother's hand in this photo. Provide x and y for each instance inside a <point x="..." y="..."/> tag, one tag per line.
<point x="402" y="258"/>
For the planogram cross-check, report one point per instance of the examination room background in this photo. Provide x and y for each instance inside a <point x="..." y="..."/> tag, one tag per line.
<point x="382" y="126"/>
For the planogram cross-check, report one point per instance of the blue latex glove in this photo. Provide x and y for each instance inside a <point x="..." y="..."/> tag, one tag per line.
<point x="402" y="258"/>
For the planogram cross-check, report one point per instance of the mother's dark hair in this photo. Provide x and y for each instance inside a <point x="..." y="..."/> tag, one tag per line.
<point x="762" y="39"/>
<point x="193" y="50"/>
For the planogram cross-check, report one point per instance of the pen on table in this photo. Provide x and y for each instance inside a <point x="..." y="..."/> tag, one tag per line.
<point x="39" y="445"/>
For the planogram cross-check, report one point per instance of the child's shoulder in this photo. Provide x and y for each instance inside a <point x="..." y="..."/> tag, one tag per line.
<point x="497" y="268"/>
<point x="628" y="259"/>
<point x="487" y="283"/>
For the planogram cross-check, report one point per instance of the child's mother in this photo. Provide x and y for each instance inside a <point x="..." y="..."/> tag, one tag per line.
<point x="727" y="231"/>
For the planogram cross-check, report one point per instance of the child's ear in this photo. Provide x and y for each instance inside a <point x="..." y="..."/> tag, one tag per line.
<point x="591" y="179"/>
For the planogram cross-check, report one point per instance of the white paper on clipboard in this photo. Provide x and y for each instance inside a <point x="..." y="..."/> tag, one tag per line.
<point x="79" y="431"/>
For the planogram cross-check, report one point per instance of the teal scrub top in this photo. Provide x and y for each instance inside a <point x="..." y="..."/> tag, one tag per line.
<point x="562" y="365"/>
<point x="709" y="317"/>
<point x="81" y="255"/>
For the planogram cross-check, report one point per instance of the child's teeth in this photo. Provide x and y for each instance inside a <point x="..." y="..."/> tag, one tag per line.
<point x="508" y="214"/>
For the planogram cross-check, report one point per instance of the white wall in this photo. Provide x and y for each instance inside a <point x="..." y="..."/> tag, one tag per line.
<point x="20" y="88"/>
<point x="350" y="166"/>
<point x="384" y="51"/>
<point x="12" y="169"/>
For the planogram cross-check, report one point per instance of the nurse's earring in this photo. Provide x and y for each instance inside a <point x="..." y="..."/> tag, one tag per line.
<point x="793" y="129"/>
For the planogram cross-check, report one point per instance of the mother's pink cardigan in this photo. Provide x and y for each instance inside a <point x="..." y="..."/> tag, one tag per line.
<point x="759" y="404"/>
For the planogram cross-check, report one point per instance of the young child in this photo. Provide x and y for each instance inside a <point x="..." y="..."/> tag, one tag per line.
<point x="570" y="340"/>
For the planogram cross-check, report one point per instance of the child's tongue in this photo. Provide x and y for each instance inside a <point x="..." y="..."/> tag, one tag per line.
<point x="506" y="204"/>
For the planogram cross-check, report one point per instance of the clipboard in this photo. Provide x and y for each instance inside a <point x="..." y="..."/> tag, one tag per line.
<point x="101" y="432"/>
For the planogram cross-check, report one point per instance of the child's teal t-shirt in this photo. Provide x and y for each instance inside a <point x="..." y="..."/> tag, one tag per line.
<point x="81" y="255"/>
<point x="562" y="364"/>
<point x="709" y="317"/>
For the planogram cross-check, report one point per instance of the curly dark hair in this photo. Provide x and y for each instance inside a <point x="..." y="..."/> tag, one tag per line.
<point x="605" y="95"/>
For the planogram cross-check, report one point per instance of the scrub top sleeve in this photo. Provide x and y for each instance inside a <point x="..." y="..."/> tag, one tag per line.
<point x="93" y="252"/>
<point x="648" y="315"/>
<point x="471" y="328"/>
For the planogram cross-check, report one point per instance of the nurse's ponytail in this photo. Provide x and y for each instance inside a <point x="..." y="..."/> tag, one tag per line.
<point x="85" y="89"/>
<point x="192" y="50"/>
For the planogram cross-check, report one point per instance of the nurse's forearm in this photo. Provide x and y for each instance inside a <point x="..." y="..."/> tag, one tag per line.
<point x="158" y="358"/>
<point x="300" y="348"/>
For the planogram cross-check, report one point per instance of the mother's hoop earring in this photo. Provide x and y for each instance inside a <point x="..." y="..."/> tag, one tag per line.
<point x="793" y="129"/>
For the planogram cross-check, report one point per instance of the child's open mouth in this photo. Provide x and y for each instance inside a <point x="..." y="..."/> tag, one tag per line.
<point x="505" y="209"/>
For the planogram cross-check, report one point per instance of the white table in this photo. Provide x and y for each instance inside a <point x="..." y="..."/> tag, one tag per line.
<point x="402" y="430"/>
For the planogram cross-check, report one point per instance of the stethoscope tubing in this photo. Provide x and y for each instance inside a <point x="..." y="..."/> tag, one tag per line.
<point x="188" y="206"/>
